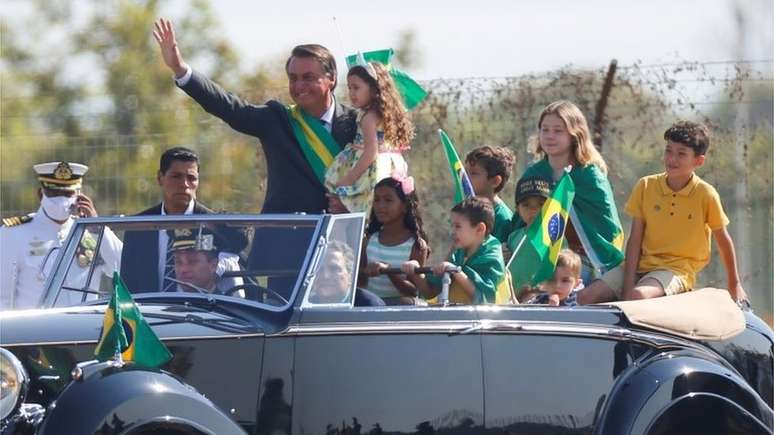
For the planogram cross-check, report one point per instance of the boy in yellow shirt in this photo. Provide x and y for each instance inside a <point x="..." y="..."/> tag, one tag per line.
<point x="674" y="214"/>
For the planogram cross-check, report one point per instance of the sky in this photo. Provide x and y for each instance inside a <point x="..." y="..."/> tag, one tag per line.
<point x="503" y="38"/>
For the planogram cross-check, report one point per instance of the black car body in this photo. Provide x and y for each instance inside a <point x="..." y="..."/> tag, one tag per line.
<point x="302" y="364"/>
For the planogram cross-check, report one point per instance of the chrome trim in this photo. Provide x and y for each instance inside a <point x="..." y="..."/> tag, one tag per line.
<point x="54" y="282"/>
<point x="445" y="327"/>
<point x="491" y="327"/>
<point x="78" y="342"/>
<point x="200" y="217"/>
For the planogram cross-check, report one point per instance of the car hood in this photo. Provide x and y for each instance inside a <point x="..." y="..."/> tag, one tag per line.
<point x="83" y="324"/>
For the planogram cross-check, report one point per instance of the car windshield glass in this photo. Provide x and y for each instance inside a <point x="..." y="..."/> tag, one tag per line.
<point x="258" y="260"/>
<point x="334" y="278"/>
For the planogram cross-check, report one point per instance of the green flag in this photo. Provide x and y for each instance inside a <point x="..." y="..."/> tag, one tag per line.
<point x="534" y="255"/>
<point x="463" y="188"/>
<point x="125" y="331"/>
<point x="409" y="89"/>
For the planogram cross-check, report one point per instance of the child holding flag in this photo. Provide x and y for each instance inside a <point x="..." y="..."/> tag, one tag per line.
<point x="489" y="169"/>
<point x="384" y="130"/>
<point x="531" y="194"/>
<point x="482" y="279"/>
<point x="594" y="230"/>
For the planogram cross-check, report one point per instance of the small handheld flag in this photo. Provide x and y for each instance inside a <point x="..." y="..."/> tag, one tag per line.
<point x="126" y="334"/>
<point x="534" y="258"/>
<point x="463" y="188"/>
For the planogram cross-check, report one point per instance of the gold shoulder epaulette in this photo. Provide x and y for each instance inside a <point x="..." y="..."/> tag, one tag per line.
<point x="16" y="220"/>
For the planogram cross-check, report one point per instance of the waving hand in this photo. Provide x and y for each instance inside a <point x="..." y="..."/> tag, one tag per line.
<point x="164" y="34"/>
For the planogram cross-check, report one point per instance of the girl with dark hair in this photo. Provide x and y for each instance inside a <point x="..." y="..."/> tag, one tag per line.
<point x="384" y="131"/>
<point x="394" y="235"/>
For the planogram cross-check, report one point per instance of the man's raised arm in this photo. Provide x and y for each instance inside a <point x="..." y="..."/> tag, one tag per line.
<point x="164" y="33"/>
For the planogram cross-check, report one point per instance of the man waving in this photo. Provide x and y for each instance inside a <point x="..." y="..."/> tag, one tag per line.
<point x="299" y="141"/>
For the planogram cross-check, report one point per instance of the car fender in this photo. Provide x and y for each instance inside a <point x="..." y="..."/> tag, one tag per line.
<point x="128" y="400"/>
<point x="652" y="386"/>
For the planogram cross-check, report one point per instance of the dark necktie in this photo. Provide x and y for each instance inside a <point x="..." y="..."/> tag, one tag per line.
<point x="169" y="270"/>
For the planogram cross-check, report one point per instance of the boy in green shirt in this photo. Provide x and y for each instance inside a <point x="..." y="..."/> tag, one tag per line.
<point x="482" y="278"/>
<point x="489" y="169"/>
<point x="531" y="193"/>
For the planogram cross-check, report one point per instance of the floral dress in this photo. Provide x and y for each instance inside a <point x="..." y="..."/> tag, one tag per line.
<point x="358" y="197"/>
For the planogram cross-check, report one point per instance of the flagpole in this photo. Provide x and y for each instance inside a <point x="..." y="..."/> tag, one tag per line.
<point x="515" y="251"/>
<point x="338" y="31"/>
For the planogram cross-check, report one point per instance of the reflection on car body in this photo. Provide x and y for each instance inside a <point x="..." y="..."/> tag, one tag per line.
<point x="293" y="354"/>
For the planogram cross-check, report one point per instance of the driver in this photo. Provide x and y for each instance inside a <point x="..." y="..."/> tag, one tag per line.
<point x="196" y="253"/>
<point x="335" y="278"/>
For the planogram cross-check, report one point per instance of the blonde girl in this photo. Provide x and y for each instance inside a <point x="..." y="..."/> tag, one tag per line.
<point x="594" y="231"/>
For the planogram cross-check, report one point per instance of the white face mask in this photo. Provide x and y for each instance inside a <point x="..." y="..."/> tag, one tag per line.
<point x="58" y="207"/>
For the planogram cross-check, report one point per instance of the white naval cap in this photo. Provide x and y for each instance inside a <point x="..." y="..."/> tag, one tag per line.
<point x="60" y="175"/>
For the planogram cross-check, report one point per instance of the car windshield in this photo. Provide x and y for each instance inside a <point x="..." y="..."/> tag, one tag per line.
<point x="251" y="258"/>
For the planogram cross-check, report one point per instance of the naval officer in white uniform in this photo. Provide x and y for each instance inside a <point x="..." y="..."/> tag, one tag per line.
<point x="26" y="241"/>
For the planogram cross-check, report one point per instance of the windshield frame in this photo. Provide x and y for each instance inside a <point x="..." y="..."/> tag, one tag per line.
<point x="57" y="275"/>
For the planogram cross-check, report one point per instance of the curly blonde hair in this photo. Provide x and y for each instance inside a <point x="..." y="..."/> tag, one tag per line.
<point x="583" y="149"/>
<point x="388" y="104"/>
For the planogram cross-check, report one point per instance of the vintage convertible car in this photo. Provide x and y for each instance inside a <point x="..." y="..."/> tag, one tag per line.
<point x="287" y="351"/>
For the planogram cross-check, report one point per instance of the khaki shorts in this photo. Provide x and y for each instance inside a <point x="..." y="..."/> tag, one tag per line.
<point x="671" y="283"/>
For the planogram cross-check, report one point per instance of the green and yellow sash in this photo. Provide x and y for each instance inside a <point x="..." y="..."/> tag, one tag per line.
<point x="317" y="144"/>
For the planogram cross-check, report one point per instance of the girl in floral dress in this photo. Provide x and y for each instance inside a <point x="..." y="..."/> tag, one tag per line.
<point x="384" y="131"/>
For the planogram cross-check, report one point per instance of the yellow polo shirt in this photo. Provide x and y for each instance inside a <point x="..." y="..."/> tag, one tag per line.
<point x="678" y="225"/>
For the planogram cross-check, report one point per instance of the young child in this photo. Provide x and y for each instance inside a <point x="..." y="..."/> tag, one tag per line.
<point x="562" y="289"/>
<point x="674" y="213"/>
<point x="394" y="235"/>
<point x="594" y="231"/>
<point x="531" y="193"/>
<point x="482" y="279"/>
<point x="489" y="169"/>
<point x="384" y="131"/>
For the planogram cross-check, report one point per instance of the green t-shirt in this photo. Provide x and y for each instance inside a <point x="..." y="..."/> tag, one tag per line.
<point x="485" y="268"/>
<point x="502" y="220"/>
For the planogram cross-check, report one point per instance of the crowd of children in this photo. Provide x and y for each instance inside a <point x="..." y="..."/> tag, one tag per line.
<point x="674" y="213"/>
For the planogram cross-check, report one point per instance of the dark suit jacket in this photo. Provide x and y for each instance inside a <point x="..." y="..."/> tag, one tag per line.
<point x="292" y="185"/>
<point x="140" y="256"/>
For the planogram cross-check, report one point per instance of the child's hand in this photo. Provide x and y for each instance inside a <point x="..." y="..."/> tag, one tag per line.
<point x="409" y="267"/>
<point x="335" y="205"/>
<point x="373" y="269"/>
<point x="440" y="268"/>
<point x="553" y="299"/>
<point x="738" y="294"/>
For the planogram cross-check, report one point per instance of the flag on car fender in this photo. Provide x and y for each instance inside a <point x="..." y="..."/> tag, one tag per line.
<point x="125" y="331"/>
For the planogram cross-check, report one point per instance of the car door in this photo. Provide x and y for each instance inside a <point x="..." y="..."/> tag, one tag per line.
<point x="549" y="370"/>
<point x="384" y="369"/>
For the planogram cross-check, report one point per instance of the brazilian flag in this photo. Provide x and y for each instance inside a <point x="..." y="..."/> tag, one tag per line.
<point x="534" y="257"/>
<point x="463" y="188"/>
<point x="124" y="330"/>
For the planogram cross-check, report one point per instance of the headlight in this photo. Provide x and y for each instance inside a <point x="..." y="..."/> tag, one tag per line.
<point x="13" y="383"/>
